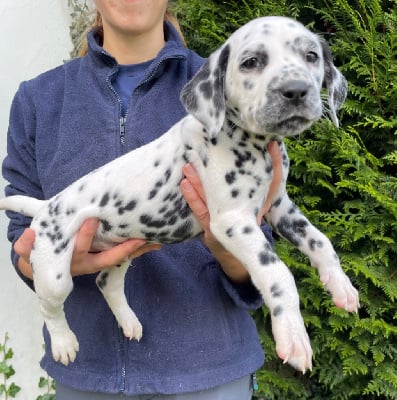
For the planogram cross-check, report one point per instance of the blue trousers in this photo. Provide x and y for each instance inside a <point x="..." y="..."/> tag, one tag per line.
<point x="236" y="390"/>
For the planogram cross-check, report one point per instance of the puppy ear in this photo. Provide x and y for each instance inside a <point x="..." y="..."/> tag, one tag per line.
<point x="335" y="83"/>
<point x="204" y="95"/>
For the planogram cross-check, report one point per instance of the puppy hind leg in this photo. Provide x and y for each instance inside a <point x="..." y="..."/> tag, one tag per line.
<point x="111" y="284"/>
<point x="53" y="285"/>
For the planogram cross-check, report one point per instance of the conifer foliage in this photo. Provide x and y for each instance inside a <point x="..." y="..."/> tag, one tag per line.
<point x="345" y="181"/>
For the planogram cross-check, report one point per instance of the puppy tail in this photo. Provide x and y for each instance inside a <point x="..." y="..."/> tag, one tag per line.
<point x="25" y="205"/>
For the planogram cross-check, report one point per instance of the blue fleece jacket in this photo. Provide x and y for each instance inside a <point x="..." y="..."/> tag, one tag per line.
<point x="197" y="331"/>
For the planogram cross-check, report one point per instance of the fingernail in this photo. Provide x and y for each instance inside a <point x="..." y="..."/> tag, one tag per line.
<point x="186" y="185"/>
<point x="189" y="170"/>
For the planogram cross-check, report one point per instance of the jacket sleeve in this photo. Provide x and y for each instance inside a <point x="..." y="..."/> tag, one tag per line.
<point x="246" y="295"/>
<point x="19" y="166"/>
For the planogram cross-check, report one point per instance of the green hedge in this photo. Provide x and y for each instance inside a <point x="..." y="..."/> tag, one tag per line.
<point x="345" y="182"/>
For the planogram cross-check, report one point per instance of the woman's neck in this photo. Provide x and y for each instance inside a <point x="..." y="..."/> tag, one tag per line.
<point x="134" y="48"/>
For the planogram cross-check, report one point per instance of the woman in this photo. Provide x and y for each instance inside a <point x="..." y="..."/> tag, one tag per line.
<point x="199" y="341"/>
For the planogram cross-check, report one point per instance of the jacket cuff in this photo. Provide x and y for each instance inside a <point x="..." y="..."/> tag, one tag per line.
<point x="244" y="295"/>
<point x="14" y="260"/>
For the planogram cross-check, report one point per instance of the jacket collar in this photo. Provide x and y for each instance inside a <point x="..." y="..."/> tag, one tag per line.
<point x="173" y="48"/>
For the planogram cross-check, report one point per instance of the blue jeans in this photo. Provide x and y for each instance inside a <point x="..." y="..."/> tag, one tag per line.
<point x="236" y="390"/>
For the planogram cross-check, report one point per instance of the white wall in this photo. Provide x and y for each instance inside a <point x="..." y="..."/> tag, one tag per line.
<point x="34" y="37"/>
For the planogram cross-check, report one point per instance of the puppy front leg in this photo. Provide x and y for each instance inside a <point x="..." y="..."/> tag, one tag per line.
<point x="240" y="235"/>
<point x="111" y="283"/>
<point x="289" y="222"/>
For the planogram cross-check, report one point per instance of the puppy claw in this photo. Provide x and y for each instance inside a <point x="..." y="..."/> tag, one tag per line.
<point x="344" y="294"/>
<point x="292" y="342"/>
<point x="64" y="347"/>
<point x="131" y="326"/>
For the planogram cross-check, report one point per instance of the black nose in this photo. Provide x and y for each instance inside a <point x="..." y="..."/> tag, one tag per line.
<point x="294" y="91"/>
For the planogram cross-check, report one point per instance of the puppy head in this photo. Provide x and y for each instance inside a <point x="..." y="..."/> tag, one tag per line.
<point x="267" y="79"/>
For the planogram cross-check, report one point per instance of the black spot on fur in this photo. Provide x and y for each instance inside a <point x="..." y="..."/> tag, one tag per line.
<point x="277" y="311"/>
<point x="230" y="177"/>
<point x="184" y="211"/>
<point x="183" y="231"/>
<point x="248" y="229"/>
<point x="106" y="226"/>
<point x="105" y="200"/>
<point x="214" y="141"/>
<point x="277" y="202"/>
<point x="276" y="291"/>
<point x="172" y="220"/>
<point x="219" y="97"/>
<point x="315" y="243"/>
<point x="248" y="85"/>
<point x="61" y="247"/>
<point x="285" y="161"/>
<point x="52" y="237"/>
<point x="167" y="175"/>
<point x="206" y="89"/>
<point x="243" y="157"/>
<point x="266" y="258"/>
<point x="152" y="194"/>
<point x="147" y="220"/>
<point x="229" y="232"/>
<point x="128" y="207"/>
<point x="102" y="280"/>
<point x="235" y="193"/>
<point x="292" y="229"/>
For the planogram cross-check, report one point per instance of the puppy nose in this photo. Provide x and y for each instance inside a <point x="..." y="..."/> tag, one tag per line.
<point x="294" y="91"/>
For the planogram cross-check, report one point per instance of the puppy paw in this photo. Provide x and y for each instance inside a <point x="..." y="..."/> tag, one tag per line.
<point x="292" y="341"/>
<point x="64" y="347"/>
<point x="344" y="294"/>
<point x="130" y="325"/>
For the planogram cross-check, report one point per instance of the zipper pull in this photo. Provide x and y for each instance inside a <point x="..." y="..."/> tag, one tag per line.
<point x="122" y="130"/>
<point x="255" y="385"/>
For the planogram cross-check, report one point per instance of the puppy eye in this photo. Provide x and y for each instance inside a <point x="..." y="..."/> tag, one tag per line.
<point x="311" y="57"/>
<point x="250" y="63"/>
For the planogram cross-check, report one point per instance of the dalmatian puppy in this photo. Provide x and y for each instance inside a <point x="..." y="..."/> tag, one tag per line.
<point x="263" y="83"/>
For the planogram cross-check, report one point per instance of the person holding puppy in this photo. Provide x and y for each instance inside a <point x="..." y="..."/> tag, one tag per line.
<point x="193" y="299"/>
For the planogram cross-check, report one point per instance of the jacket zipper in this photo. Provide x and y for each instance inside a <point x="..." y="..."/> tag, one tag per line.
<point x="122" y="118"/>
<point x="122" y="129"/>
<point x="122" y="122"/>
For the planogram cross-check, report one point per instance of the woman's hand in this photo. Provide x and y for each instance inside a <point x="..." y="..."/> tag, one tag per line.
<point x="84" y="262"/>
